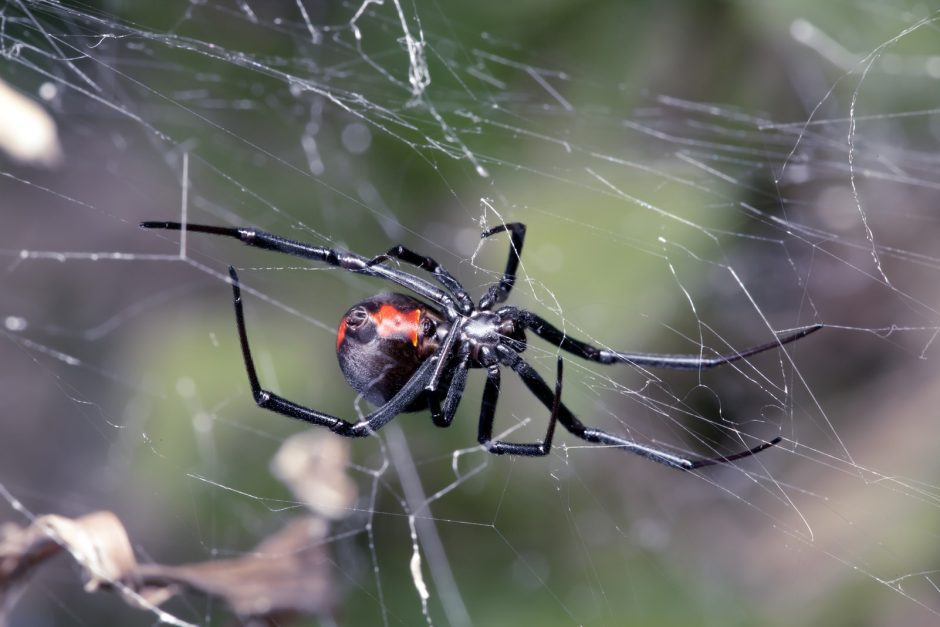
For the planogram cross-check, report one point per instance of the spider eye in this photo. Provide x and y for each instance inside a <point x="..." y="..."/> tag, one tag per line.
<point x="356" y="317"/>
<point x="428" y="327"/>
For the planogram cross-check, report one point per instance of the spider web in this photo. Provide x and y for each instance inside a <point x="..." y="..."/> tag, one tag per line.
<point x="684" y="192"/>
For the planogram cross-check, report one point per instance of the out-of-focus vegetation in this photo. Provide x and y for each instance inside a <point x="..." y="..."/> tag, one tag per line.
<point x="157" y="422"/>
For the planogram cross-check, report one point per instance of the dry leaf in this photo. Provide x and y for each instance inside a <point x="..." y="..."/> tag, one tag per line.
<point x="288" y="575"/>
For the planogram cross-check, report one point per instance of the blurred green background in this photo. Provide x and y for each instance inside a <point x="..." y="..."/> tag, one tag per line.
<point x="688" y="174"/>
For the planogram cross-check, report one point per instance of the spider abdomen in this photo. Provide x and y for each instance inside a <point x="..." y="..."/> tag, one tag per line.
<point x="382" y="341"/>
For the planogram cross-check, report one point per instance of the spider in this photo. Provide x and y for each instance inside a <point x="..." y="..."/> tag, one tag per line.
<point x="404" y="355"/>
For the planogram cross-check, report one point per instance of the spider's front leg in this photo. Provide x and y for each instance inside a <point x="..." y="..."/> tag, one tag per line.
<point x="499" y="292"/>
<point x="562" y="340"/>
<point x="540" y="389"/>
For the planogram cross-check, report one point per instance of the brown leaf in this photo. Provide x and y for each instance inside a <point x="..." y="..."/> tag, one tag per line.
<point x="289" y="573"/>
<point x="97" y="541"/>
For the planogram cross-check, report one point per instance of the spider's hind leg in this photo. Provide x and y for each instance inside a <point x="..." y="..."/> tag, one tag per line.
<point x="278" y="404"/>
<point x="443" y="277"/>
<point x="443" y="415"/>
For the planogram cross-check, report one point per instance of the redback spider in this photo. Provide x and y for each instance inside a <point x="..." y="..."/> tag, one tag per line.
<point x="404" y="355"/>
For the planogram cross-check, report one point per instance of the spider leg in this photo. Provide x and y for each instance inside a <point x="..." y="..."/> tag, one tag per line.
<point x="543" y="393"/>
<point x="488" y="412"/>
<point x="444" y="352"/>
<point x="553" y="335"/>
<point x="278" y="404"/>
<point x="499" y="292"/>
<point x="440" y="273"/>
<point x="443" y="416"/>
<point x="338" y="258"/>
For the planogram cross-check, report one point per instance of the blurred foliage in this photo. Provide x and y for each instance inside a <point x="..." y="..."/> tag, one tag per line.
<point x="515" y="536"/>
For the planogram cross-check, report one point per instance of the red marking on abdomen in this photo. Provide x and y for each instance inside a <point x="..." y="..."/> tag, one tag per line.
<point x="341" y="333"/>
<point x="393" y="322"/>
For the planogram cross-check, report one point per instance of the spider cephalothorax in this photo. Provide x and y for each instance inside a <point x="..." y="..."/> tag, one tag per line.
<point x="404" y="354"/>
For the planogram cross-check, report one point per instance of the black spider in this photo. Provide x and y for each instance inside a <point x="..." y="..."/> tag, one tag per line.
<point x="404" y="355"/>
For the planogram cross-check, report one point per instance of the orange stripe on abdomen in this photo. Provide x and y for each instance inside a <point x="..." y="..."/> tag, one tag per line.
<point x="393" y="322"/>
